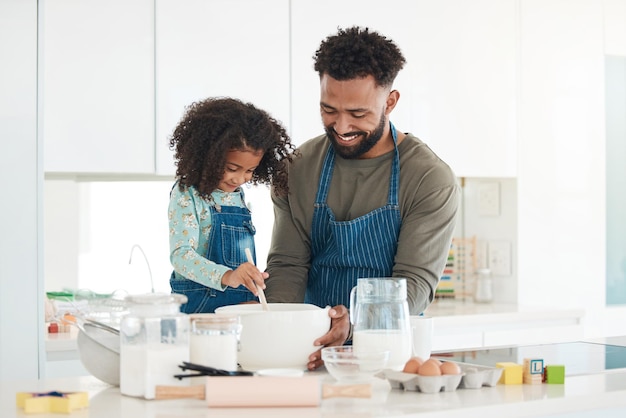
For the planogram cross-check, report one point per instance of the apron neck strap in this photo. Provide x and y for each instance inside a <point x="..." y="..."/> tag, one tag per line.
<point x="329" y="163"/>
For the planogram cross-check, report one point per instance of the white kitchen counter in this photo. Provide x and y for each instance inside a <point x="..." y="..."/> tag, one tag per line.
<point x="62" y="359"/>
<point x="58" y="343"/>
<point x="457" y="325"/>
<point x="462" y="325"/>
<point x="602" y="394"/>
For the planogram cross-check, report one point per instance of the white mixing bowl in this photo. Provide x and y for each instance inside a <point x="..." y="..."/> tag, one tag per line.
<point x="279" y="338"/>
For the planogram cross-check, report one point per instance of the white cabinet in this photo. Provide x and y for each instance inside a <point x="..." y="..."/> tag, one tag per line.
<point x="236" y="48"/>
<point x="463" y="84"/>
<point x="614" y="27"/>
<point x="458" y="89"/>
<point x="96" y="84"/>
<point x="116" y="76"/>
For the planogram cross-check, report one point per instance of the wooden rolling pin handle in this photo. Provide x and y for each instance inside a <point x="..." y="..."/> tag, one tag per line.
<point x="304" y="391"/>
<point x="346" y="391"/>
<point x="179" y="392"/>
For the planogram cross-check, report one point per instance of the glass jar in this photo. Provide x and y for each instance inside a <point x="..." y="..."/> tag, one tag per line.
<point x="484" y="286"/>
<point x="215" y="340"/>
<point x="154" y="341"/>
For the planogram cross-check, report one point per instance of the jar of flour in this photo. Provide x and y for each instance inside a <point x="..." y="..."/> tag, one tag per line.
<point x="154" y="342"/>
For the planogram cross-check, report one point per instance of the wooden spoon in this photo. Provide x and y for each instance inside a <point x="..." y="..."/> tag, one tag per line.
<point x="258" y="288"/>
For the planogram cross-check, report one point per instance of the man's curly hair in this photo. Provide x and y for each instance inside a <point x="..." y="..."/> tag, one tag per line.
<point x="212" y="127"/>
<point x="356" y="53"/>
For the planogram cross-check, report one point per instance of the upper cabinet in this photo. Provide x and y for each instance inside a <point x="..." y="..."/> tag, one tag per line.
<point x="458" y="88"/>
<point x="312" y="22"/>
<point x="116" y="76"/>
<point x="463" y="90"/>
<point x="96" y="85"/>
<point x="235" y="48"/>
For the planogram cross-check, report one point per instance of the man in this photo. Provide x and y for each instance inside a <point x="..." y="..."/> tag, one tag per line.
<point x="365" y="200"/>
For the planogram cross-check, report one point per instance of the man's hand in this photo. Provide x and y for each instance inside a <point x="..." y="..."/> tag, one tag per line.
<point x="337" y="335"/>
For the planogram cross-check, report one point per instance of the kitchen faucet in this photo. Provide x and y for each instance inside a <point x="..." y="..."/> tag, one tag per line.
<point x="147" y="263"/>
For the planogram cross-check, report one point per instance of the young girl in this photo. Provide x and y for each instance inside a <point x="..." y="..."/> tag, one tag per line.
<point x="220" y="144"/>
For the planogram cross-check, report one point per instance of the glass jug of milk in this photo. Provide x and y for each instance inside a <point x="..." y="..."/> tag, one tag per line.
<point x="379" y="313"/>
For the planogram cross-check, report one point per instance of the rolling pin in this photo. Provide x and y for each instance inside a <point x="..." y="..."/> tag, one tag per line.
<point x="240" y="391"/>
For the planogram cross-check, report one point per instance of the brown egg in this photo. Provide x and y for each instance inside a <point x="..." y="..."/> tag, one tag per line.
<point x="450" y="368"/>
<point x="413" y="365"/>
<point x="429" y="368"/>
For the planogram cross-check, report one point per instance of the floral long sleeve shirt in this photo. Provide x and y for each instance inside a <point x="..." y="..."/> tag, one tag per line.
<point x="190" y="225"/>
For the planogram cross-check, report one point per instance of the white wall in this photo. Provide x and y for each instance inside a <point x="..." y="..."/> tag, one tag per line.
<point x="61" y="214"/>
<point x="91" y="227"/>
<point x="559" y="254"/>
<point x="560" y="186"/>
<point x="489" y="228"/>
<point x="21" y="176"/>
<point x="561" y="154"/>
<point x="561" y="161"/>
<point x="611" y="321"/>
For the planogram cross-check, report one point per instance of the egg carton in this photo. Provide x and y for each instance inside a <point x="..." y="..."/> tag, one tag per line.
<point x="472" y="376"/>
<point x="425" y="384"/>
<point x="476" y="376"/>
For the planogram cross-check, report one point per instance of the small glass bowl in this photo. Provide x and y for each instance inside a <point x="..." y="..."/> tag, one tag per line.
<point x="345" y="364"/>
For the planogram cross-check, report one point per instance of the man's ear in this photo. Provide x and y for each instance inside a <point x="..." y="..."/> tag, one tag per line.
<point x="392" y="101"/>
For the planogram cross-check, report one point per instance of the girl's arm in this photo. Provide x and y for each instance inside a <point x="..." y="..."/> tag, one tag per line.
<point x="189" y="226"/>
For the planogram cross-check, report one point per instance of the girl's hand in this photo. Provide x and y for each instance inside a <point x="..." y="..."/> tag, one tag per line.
<point x="246" y="274"/>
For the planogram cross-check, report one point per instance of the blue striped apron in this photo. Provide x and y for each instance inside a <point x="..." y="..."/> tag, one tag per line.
<point x="343" y="251"/>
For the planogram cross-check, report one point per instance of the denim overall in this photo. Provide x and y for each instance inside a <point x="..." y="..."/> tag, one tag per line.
<point x="231" y="233"/>
<point x="343" y="251"/>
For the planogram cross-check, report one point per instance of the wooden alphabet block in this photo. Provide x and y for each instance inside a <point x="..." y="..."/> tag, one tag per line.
<point x="512" y="373"/>
<point x="533" y="371"/>
<point x="554" y="374"/>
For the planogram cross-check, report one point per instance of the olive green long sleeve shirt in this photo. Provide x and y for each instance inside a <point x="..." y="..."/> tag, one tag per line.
<point x="429" y="198"/>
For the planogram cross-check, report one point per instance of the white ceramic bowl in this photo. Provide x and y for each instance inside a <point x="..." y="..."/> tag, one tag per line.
<point x="279" y="338"/>
<point x="345" y="364"/>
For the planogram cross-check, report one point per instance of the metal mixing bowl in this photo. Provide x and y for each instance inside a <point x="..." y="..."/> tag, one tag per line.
<point x="99" y="351"/>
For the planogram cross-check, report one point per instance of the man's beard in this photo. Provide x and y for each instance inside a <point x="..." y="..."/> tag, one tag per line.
<point x="363" y="146"/>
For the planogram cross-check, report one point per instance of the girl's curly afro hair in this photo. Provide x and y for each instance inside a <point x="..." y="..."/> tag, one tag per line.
<point x="356" y="53"/>
<point x="212" y="127"/>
